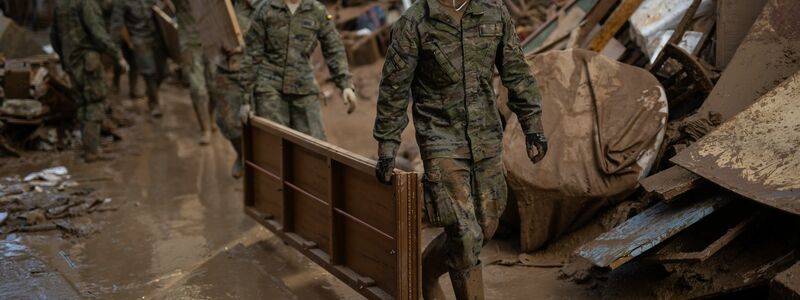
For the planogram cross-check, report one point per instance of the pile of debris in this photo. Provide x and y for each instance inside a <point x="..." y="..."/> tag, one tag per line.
<point x="44" y="201"/>
<point x="718" y="182"/>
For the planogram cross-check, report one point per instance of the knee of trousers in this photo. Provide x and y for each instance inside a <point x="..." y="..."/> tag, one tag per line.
<point x="464" y="243"/>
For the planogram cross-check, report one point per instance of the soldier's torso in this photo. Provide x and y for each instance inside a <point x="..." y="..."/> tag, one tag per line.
<point x="454" y="107"/>
<point x="140" y="21"/>
<point x="75" y="41"/>
<point x="291" y="39"/>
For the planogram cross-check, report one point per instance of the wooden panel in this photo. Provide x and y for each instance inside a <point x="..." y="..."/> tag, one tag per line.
<point x="217" y="24"/>
<point x="169" y="32"/>
<point x="311" y="220"/>
<point x="356" y="189"/>
<point x="370" y="255"/>
<point x="267" y="152"/>
<point x="325" y="202"/>
<point x="310" y="172"/>
<point x="267" y="192"/>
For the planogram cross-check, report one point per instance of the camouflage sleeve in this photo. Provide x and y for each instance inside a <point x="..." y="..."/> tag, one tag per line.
<point x="523" y="93"/>
<point x="254" y="52"/>
<point x="393" y="93"/>
<point x="333" y="50"/>
<point x="92" y="17"/>
<point x="117" y="19"/>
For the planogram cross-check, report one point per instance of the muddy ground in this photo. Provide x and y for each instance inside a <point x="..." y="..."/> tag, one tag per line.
<point x="180" y="231"/>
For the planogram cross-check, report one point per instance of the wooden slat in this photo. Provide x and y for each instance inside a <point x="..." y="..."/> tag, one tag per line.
<point x="647" y="230"/>
<point x="613" y="24"/>
<point x="671" y="183"/>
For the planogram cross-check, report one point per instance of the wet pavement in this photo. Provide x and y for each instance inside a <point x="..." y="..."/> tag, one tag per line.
<point x="181" y="232"/>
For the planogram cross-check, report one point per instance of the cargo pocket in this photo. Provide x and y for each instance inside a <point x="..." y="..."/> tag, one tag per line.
<point x="439" y="202"/>
<point x="94" y="87"/>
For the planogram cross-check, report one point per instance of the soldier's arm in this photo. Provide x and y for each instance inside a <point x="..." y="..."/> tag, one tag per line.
<point x="254" y="54"/>
<point x="523" y="93"/>
<point x="334" y="53"/>
<point x="393" y="94"/>
<point x="92" y="17"/>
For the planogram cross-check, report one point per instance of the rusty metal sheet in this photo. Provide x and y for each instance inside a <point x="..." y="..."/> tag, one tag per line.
<point x="756" y="154"/>
<point x="647" y="230"/>
<point x="768" y="55"/>
<point x="325" y="202"/>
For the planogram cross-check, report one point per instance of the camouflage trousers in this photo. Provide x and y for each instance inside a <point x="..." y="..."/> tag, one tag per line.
<point x="228" y="97"/>
<point x="299" y="112"/>
<point x="151" y="60"/>
<point x="89" y="88"/>
<point x="467" y="198"/>
<point x="197" y="71"/>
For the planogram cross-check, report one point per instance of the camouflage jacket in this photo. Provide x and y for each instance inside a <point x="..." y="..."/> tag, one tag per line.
<point x="79" y="28"/>
<point x="137" y="16"/>
<point x="280" y="44"/>
<point x="448" y="69"/>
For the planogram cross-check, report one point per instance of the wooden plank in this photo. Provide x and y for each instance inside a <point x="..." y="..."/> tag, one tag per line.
<point x="218" y="26"/>
<point x="333" y="210"/>
<point x="786" y="285"/>
<point x="671" y="183"/>
<point x="647" y="230"/>
<point x="613" y="24"/>
<point x="598" y="12"/>
<point x="711" y="249"/>
<point x="169" y="32"/>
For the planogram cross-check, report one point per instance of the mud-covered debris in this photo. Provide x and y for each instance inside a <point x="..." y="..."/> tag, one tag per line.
<point x="45" y="200"/>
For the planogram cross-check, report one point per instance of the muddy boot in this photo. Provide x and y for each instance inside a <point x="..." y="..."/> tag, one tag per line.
<point x="91" y="143"/>
<point x="152" y="99"/>
<point x="236" y="169"/>
<point x="433" y="267"/>
<point x="468" y="284"/>
<point x="200" y="104"/>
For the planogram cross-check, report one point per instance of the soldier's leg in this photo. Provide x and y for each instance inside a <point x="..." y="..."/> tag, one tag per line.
<point x="92" y="111"/>
<point x="133" y="72"/>
<point x="491" y="194"/>
<point x="306" y="115"/>
<point x="269" y="103"/>
<point x="194" y="73"/>
<point x="450" y="204"/>
<point x="146" y="62"/>
<point x="228" y="98"/>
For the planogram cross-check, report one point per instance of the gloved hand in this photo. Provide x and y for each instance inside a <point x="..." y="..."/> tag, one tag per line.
<point x="123" y="64"/>
<point x="384" y="169"/>
<point x="349" y="97"/>
<point x="537" y="146"/>
<point x="245" y="113"/>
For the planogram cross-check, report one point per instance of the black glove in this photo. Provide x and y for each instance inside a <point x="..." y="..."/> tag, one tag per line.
<point x="384" y="169"/>
<point x="537" y="142"/>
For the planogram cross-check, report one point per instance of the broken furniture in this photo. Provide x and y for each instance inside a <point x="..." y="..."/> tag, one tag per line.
<point x="325" y="202"/>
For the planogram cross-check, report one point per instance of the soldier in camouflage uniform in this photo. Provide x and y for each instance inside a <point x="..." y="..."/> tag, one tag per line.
<point x="283" y="36"/>
<point x="148" y="46"/>
<point x="79" y="36"/>
<point x="444" y="57"/>
<point x="195" y="67"/>
<point x="127" y="53"/>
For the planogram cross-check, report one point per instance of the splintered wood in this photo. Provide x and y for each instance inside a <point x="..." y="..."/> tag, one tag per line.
<point x="325" y="202"/>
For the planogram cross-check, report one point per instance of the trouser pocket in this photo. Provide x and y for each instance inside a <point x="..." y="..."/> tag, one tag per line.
<point x="440" y="201"/>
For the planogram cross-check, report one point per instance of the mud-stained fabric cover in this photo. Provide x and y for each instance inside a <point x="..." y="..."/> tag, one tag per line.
<point x="586" y="169"/>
